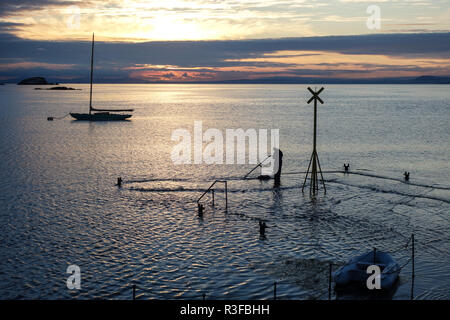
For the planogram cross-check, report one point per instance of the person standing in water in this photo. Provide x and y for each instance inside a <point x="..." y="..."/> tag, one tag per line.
<point x="278" y="155"/>
<point x="406" y="174"/>
<point x="262" y="228"/>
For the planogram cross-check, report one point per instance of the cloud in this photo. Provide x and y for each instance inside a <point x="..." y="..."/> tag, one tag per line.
<point x="9" y="28"/>
<point x="13" y="7"/>
<point x="34" y="65"/>
<point x="143" y="20"/>
<point x="230" y="58"/>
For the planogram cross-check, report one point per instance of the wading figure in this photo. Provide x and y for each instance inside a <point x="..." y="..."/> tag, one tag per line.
<point x="346" y="167"/>
<point x="200" y="210"/>
<point x="262" y="228"/>
<point x="406" y="174"/>
<point x="279" y="160"/>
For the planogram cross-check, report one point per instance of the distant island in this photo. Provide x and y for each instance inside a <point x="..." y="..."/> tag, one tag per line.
<point x="432" y="80"/>
<point x="57" y="88"/>
<point x="36" y="81"/>
<point x="425" y="79"/>
<point x="307" y="80"/>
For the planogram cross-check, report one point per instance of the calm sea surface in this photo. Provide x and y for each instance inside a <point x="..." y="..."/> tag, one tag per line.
<point x="59" y="204"/>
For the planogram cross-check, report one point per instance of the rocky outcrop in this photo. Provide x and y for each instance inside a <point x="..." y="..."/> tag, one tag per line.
<point x="34" y="81"/>
<point x="432" y="80"/>
<point x="57" y="88"/>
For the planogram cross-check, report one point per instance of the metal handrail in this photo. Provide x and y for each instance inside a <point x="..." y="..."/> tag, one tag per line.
<point x="258" y="165"/>
<point x="210" y="187"/>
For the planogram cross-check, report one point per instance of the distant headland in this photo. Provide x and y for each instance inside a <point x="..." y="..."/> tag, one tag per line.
<point x="425" y="79"/>
<point x="307" y="80"/>
<point x="57" y="88"/>
<point x="35" y="81"/>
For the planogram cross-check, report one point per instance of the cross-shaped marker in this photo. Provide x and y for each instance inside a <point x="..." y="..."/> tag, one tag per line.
<point x="314" y="163"/>
<point x="315" y="95"/>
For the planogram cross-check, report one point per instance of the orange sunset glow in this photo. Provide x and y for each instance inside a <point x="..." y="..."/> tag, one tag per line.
<point x="205" y="40"/>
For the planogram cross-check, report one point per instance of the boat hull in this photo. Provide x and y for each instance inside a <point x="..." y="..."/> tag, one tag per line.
<point x="355" y="271"/>
<point x="100" y="116"/>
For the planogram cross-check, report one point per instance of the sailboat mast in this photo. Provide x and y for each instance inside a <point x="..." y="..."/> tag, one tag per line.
<point x="92" y="67"/>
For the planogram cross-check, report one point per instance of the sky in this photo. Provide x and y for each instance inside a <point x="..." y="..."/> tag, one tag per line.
<point x="215" y="40"/>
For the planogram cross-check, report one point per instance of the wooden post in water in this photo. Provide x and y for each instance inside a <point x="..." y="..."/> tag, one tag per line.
<point x="329" y="280"/>
<point x="315" y="167"/>
<point x="200" y="209"/>
<point x="412" y="267"/>
<point x="212" y="197"/>
<point x="275" y="290"/>
<point x="226" y="196"/>
<point x="412" y="253"/>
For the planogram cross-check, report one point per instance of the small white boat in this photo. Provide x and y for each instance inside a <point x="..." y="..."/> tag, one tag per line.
<point x="355" y="271"/>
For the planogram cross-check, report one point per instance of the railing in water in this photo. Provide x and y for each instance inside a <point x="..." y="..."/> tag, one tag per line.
<point x="273" y="285"/>
<point x="211" y="189"/>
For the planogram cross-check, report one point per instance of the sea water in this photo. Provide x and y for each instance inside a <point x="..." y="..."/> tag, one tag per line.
<point x="60" y="205"/>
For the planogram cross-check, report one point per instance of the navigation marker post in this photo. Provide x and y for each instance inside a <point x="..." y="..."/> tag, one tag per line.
<point x="314" y="184"/>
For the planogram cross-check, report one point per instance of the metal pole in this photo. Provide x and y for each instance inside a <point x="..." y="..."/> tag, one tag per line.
<point x="259" y="165"/>
<point x="321" y="175"/>
<point x="92" y="71"/>
<point x="314" y="167"/>
<point x="314" y="183"/>
<point x="275" y="290"/>
<point x="314" y="172"/>
<point x="317" y="176"/>
<point x="315" y="122"/>
<point x="307" y="171"/>
<point x="329" y="281"/>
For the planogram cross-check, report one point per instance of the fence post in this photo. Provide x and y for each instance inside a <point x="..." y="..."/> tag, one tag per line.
<point x="200" y="209"/>
<point x="275" y="290"/>
<point x="329" y="280"/>
<point x="412" y="267"/>
<point x="226" y="197"/>
<point x="412" y="249"/>
<point x="134" y="292"/>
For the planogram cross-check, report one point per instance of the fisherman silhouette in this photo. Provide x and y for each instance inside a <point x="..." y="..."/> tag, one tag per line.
<point x="278" y="154"/>
<point x="278" y="158"/>
<point x="262" y="228"/>
<point x="200" y="210"/>
<point x="346" y="167"/>
<point x="406" y="174"/>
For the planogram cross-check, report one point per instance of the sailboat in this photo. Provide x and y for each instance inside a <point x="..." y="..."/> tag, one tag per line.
<point x="100" y="114"/>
